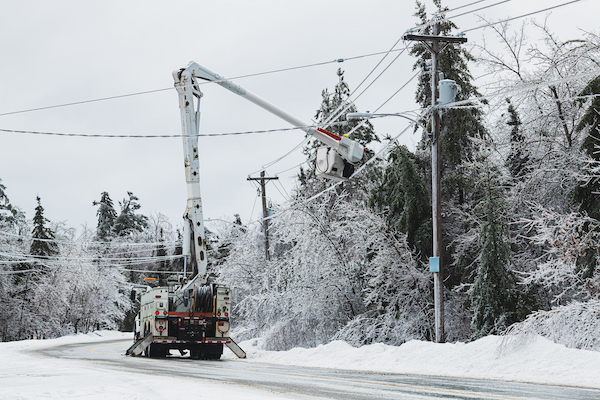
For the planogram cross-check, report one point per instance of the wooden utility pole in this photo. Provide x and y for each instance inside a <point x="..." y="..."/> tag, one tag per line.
<point x="262" y="180"/>
<point x="432" y="42"/>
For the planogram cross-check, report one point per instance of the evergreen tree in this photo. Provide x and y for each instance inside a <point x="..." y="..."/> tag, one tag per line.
<point x="403" y="196"/>
<point x="6" y="209"/>
<point x="493" y="294"/>
<point x="161" y="252"/>
<point x="339" y="102"/>
<point x="518" y="158"/>
<point x="586" y="193"/>
<point x="177" y="264"/>
<point x="128" y="221"/>
<point x="43" y="244"/>
<point x="107" y="216"/>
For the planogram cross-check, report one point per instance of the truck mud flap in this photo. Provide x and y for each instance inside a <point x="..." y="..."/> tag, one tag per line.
<point x="138" y="347"/>
<point x="237" y="350"/>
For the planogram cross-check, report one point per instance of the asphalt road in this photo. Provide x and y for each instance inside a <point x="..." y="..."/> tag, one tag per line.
<point x="313" y="383"/>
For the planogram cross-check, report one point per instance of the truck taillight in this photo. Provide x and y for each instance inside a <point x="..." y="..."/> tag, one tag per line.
<point x="157" y="312"/>
<point x="227" y="314"/>
<point x="219" y="314"/>
<point x="164" y="313"/>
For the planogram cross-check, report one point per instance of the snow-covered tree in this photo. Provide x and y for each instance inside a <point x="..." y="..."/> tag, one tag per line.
<point x="128" y="221"/>
<point x="42" y="245"/>
<point x="402" y="195"/>
<point x="493" y="294"/>
<point x="575" y="325"/>
<point x="517" y="161"/>
<point x="335" y="268"/>
<point x="107" y="217"/>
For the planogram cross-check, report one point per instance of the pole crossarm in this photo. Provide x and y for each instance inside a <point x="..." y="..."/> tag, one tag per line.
<point x="435" y="38"/>
<point x="266" y="178"/>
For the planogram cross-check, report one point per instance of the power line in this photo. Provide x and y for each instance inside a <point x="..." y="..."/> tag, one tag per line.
<point x="335" y="114"/>
<point x="521" y="16"/>
<point x="439" y="18"/>
<point x="17" y="272"/>
<point x="120" y="96"/>
<point x="385" y="102"/>
<point x="466" y="5"/>
<point x="295" y="166"/>
<point x="270" y="164"/>
<point x="85" y="135"/>
<point x="92" y="243"/>
<point x="32" y="258"/>
<point x="285" y="196"/>
<point x="349" y="102"/>
<point x="338" y="60"/>
<point x="479" y="9"/>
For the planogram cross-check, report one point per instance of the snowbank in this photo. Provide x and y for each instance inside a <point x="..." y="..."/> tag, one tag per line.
<point x="533" y="359"/>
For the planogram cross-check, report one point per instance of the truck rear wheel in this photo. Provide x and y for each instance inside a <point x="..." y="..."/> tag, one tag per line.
<point x="156" y="350"/>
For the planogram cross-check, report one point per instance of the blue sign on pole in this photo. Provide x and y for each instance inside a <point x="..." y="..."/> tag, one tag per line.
<point x="434" y="264"/>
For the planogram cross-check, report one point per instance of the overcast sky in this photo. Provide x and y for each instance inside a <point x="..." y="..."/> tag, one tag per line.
<point x="57" y="52"/>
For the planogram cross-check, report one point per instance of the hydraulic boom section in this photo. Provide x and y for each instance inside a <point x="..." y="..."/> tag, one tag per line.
<point x="336" y="164"/>
<point x="194" y="241"/>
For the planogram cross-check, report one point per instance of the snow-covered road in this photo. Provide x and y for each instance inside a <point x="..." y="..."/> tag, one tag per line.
<point x="94" y="367"/>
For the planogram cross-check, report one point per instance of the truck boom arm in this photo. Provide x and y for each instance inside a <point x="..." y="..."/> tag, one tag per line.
<point x="349" y="150"/>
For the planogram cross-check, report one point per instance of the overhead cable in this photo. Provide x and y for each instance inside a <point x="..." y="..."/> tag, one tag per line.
<point x="92" y="243"/>
<point x="439" y="18"/>
<point x="385" y="102"/>
<point x="85" y="135"/>
<point x="349" y="102"/>
<point x="520" y="16"/>
<point x="338" y="60"/>
<point x="90" y="258"/>
<point x="466" y="5"/>
<point x="479" y="9"/>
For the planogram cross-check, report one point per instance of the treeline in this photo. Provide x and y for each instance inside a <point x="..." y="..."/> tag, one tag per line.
<point x="55" y="281"/>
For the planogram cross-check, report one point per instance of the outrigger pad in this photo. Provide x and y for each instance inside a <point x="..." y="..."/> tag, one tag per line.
<point x="138" y="347"/>
<point x="237" y="350"/>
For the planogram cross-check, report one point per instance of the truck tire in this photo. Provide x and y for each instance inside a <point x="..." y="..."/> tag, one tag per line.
<point x="213" y="351"/>
<point x="195" y="353"/>
<point x="156" y="350"/>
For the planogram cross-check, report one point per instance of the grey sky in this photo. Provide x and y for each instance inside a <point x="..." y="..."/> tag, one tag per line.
<point x="57" y="52"/>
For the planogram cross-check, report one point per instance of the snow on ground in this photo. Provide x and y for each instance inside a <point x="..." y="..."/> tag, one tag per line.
<point x="532" y="359"/>
<point x="25" y="375"/>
